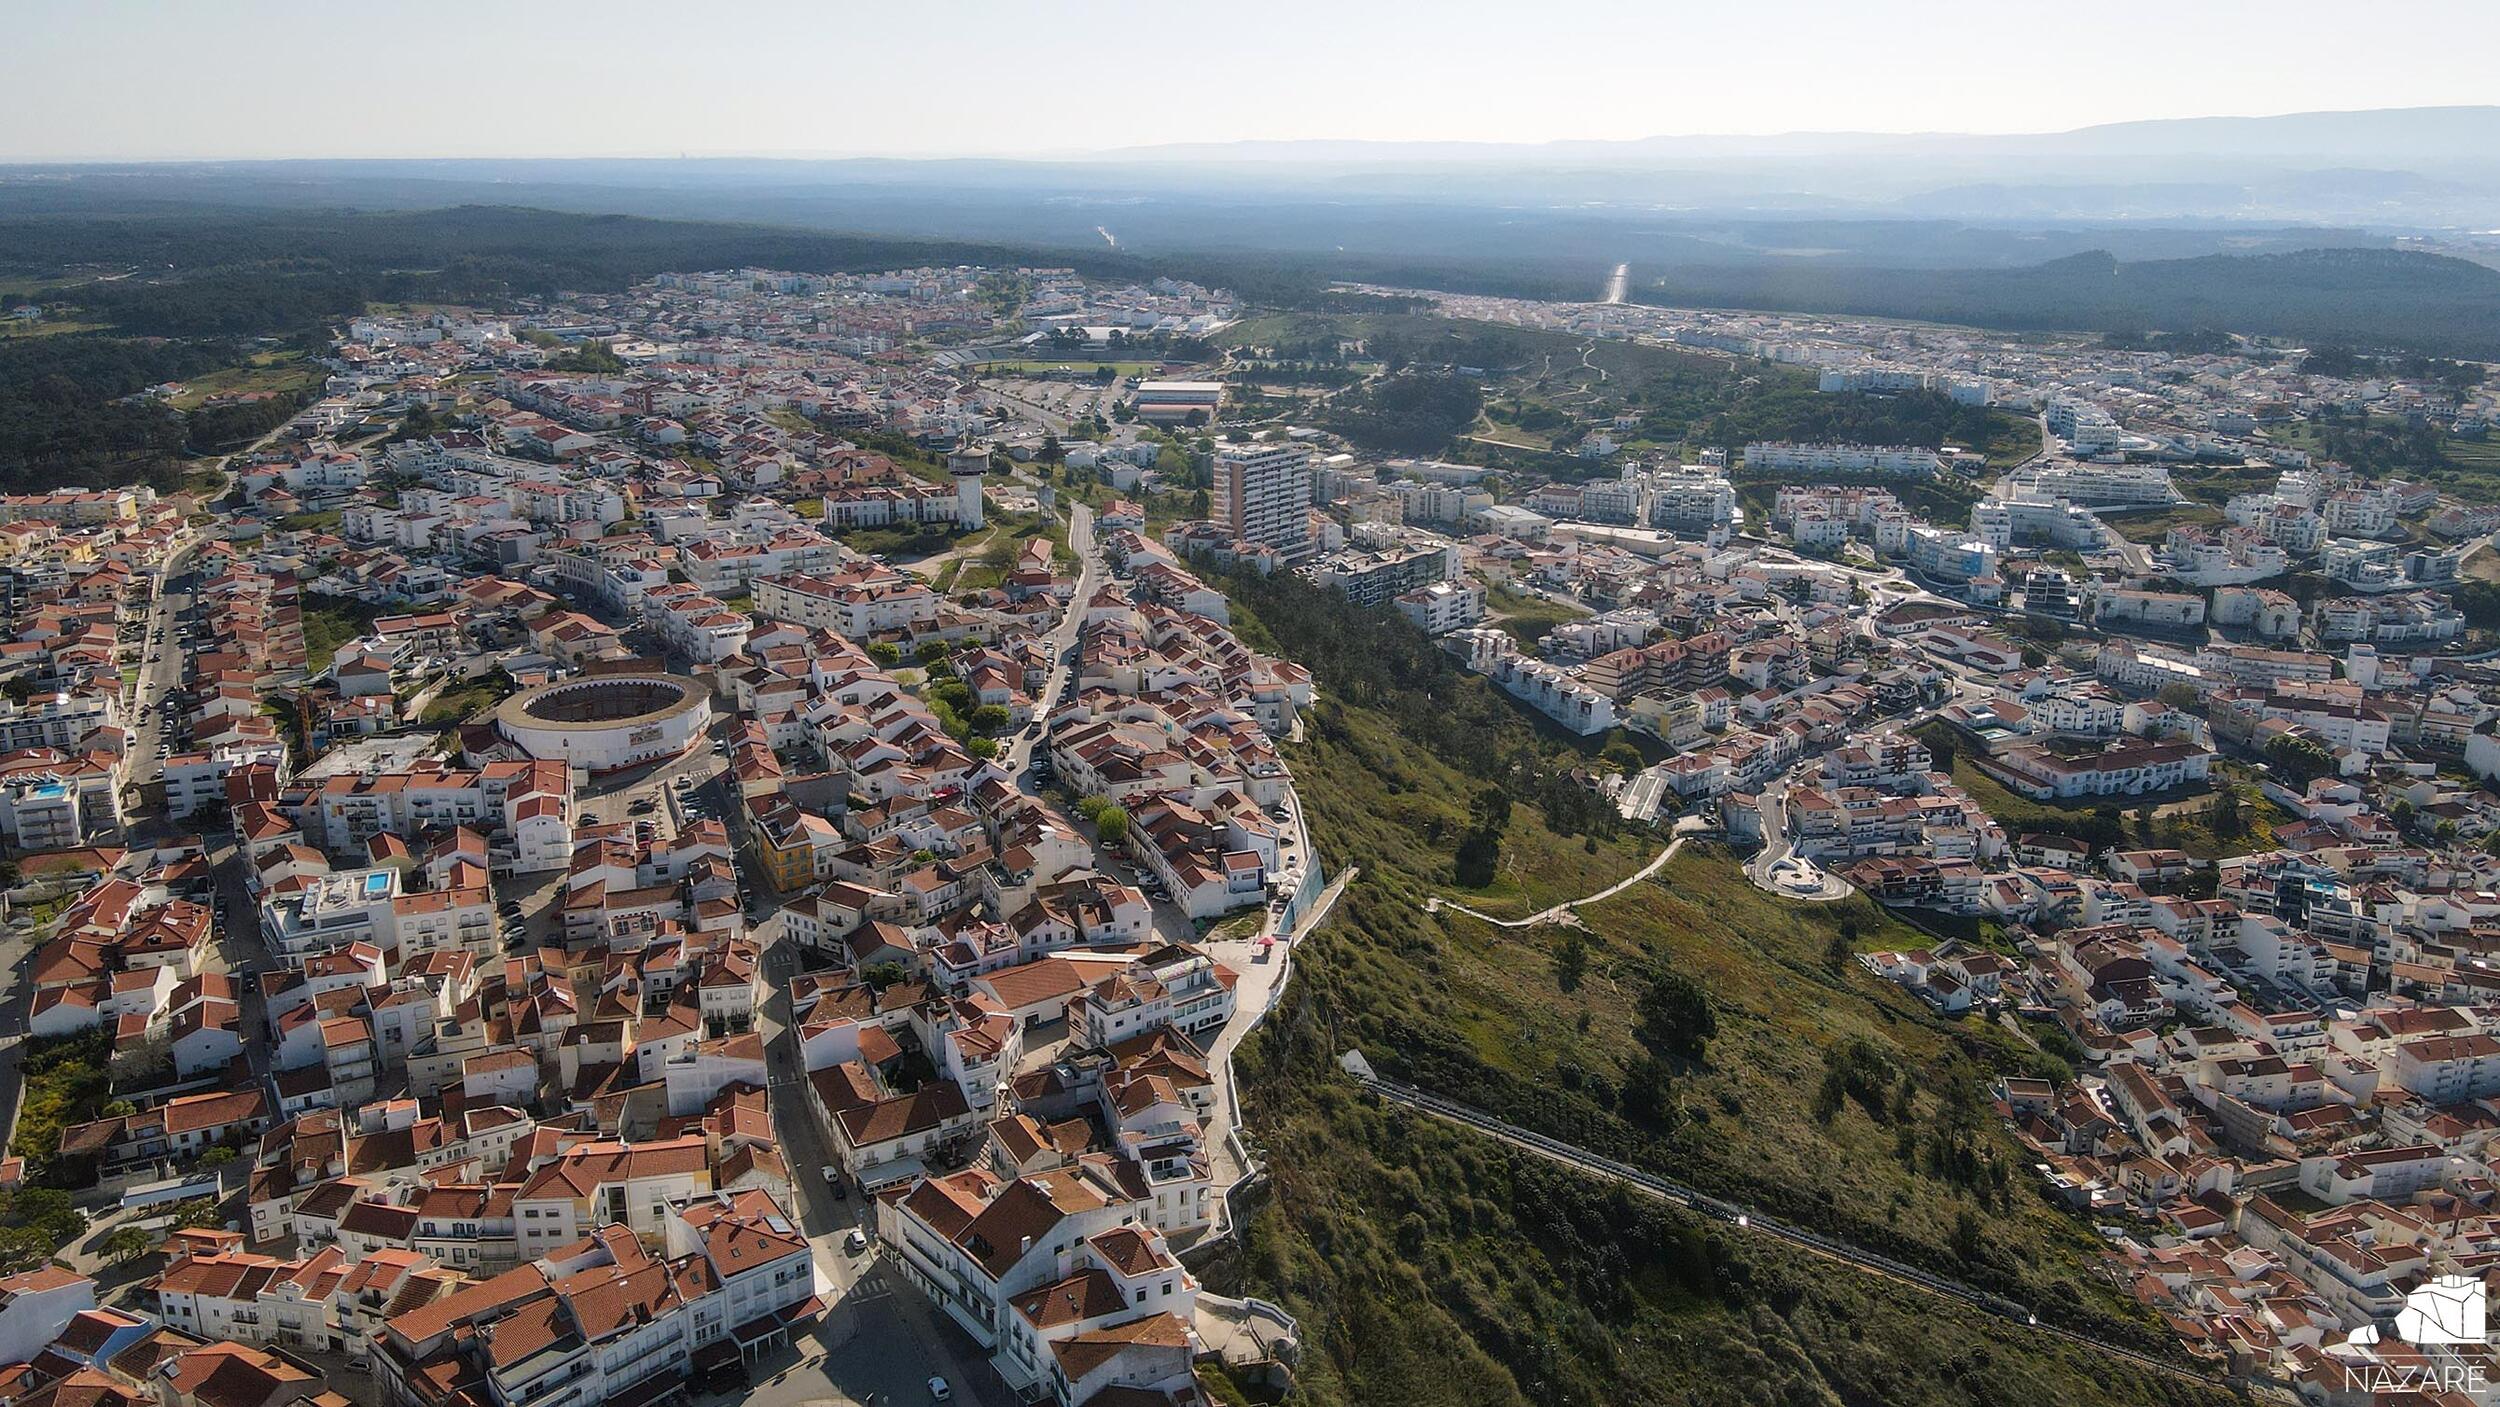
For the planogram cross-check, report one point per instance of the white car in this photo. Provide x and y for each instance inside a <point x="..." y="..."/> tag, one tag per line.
<point x="939" y="1391"/>
<point x="856" y="1242"/>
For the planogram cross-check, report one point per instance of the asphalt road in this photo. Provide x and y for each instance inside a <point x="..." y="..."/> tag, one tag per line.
<point x="853" y="1352"/>
<point x="163" y="649"/>
<point x="1020" y="748"/>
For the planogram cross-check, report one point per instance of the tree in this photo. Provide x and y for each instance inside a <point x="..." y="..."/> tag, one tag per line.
<point x="880" y="976"/>
<point x="1842" y="947"/>
<point x="49" y="1211"/>
<point x="2227" y="820"/>
<point x="1968" y="1234"/>
<point x="1571" y="959"/>
<point x="1622" y="756"/>
<point x="929" y="652"/>
<point x="126" y="1244"/>
<point x="1478" y="859"/>
<point x="1675" y="1016"/>
<point x="1645" y="1084"/>
<point x="989" y="718"/>
<point x="1490" y="811"/>
<point x="885" y="653"/>
<point x="2301" y="758"/>
<point x="1111" y="824"/>
<point x="198" y="1212"/>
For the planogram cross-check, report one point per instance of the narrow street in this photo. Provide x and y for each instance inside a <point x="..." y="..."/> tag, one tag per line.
<point x="851" y="1356"/>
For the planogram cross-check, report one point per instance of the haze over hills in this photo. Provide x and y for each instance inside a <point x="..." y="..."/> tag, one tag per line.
<point x="2422" y="138"/>
<point x="2406" y="168"/>
<point x="2397" y="170"/>
<point x="1957" y="227"/>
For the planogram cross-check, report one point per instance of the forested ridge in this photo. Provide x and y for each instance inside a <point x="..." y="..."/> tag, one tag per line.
<point x="2400" y="299"/>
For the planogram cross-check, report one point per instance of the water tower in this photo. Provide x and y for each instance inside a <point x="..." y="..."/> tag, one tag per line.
<point x="968" y="462"/>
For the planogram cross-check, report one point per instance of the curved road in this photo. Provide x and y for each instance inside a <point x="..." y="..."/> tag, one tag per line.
<point x="1684" y="829"/>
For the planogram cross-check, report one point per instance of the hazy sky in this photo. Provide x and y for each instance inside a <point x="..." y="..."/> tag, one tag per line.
<point x="185" y="79"/>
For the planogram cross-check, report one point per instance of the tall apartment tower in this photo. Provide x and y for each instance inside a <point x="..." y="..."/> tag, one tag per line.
<point x="1262" y="492"/>
<point x="968" y="463"/>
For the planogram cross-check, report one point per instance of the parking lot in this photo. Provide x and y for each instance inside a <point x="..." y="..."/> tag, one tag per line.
<point x="1058" y="401"/>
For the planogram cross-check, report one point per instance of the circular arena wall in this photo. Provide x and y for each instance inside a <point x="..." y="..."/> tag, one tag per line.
<point x="608" y="721"/>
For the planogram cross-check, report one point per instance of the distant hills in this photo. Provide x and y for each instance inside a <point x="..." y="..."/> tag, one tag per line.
<point x="2378" y="297"/>
<point x="2424" y="138"/>
<point x="2390" y="168"/>
<point x="2377" y="228"/>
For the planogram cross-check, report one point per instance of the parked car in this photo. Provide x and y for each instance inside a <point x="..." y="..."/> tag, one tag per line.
<point x="939" y="1391"/>
<point x="856" y="1242"/>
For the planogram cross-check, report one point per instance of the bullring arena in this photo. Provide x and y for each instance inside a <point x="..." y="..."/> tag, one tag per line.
<point x="606" y="722"/>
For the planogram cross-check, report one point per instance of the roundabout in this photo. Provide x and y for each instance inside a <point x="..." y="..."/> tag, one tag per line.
<point x="1795" y="877"/>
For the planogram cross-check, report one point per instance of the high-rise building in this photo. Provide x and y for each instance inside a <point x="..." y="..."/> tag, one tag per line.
<point x="1262" y="492"/>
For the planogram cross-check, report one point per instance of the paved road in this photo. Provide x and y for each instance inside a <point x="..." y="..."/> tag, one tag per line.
<point x="881" y="1337"/>
<point x="1683" y="831"/>
<point x="1017" y="755"/>
<point x="240" y="951"/>
<point x="16" y="1000"/>
<point x="163" y="646"/>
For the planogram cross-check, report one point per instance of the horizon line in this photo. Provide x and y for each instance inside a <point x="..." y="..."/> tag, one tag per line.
<point x="1103" y="153"/>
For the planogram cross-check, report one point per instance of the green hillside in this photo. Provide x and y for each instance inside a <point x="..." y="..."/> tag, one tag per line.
<point x="1431" y="1265"/>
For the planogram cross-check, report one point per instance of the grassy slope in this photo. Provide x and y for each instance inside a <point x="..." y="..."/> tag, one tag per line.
<point x="2154" y="527"/>
<point x="1433" y="1266"/>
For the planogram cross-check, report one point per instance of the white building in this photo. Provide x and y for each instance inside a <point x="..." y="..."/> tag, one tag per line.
<point x="1902" y="461"/>
<point x="1443" y="607"/>
<point x="1262" y="492"/>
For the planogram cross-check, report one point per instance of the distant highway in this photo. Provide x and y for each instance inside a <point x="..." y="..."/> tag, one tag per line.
<point x="1618" y="284"/>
